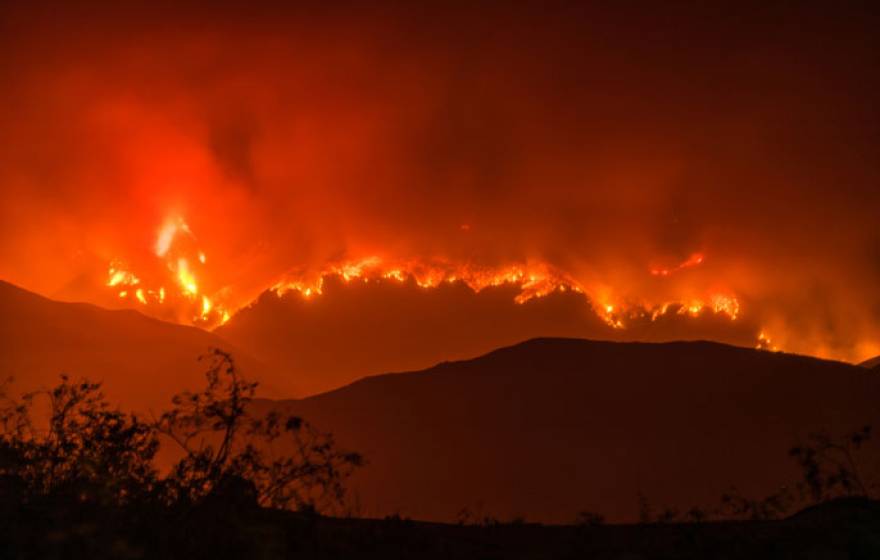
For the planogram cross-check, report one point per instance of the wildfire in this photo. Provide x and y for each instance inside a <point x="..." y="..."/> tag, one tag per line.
<point x="175" y="247"/>
<point x="764" y="343"/>
<point x="183" y="283"/>
<point x="533" y="280"/>
<point x="185" y="278"/>
<point x="120" y="277"/>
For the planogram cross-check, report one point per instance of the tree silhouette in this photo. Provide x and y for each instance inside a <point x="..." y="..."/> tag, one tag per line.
<point x="831" y="467"/>
<point x="223" y="440"/>
<point x="83" y="448"/>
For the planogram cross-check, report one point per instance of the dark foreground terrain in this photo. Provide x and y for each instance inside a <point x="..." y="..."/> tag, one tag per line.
<point x="848" y="528"/>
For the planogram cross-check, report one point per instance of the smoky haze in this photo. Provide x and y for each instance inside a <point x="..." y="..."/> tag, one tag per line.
<point x="606" y="143"/>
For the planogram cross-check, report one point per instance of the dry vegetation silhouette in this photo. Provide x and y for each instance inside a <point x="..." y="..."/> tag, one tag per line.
<point x="79" y="478"/>
<point x="68" y="442"/>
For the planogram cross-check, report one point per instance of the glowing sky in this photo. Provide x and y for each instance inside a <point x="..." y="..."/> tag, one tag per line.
<point x="618" y="146"/>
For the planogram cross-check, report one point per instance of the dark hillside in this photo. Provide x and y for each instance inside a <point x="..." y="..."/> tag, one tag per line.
<point x="551" y="427"/>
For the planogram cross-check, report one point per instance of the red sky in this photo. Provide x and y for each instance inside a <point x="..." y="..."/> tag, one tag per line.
<point x="602" y="143"/>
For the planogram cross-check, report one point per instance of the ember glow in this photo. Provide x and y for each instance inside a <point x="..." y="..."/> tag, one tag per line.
<point x="603" y="151"/>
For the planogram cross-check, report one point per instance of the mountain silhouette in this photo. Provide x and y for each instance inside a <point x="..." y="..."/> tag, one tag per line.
<point x="871" y="363"/>
<point x="357" y="329"/>
<point x="141" y="361"/>
<point x="551" y="427"/>
<point x="544" y="429"/>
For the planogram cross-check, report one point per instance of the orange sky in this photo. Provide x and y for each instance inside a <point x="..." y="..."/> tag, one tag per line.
<point x="603" y="144"/>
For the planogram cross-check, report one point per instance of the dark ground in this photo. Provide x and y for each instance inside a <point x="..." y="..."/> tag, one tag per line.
<point x="841" y="529"/>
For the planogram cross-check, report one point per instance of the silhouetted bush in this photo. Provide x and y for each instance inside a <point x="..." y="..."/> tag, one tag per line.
<point x="84" y="451"/>
<point x="831" y="466"/>
<point x="223" y="441"/>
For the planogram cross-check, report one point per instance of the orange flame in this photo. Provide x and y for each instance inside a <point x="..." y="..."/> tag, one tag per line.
<point x="764" y="343"/>
<point x="181" y="263"/>
<point x="532" y="280"/>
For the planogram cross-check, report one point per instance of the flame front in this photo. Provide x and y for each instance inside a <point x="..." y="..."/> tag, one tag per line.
<point x="184" y="264"/>
<point x="534" y="280"/>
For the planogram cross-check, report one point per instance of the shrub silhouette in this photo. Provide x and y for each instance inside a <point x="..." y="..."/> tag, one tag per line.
<point x="85" y="448"/>
<point x="89" y="452"/>
<point x="222" y="441"/>
<point x="831" y="466"/>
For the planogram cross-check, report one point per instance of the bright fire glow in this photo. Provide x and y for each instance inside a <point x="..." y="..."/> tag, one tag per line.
<point x="185" y="278"/>
<point x="120" y="277"/>
<point x="764" y="343"/>
<point x="174" y="246"/>
<point x="533" y="280"/>
<point x="184" y="263"/>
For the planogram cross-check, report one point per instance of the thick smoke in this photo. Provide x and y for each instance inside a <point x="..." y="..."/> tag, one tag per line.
<point x="604" y="142"/>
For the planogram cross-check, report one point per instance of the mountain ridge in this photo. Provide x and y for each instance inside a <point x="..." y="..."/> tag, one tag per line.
<point x="872" y="363"/>
<point x="550" y="427"/>
<point x="142" y="361"/>
<point x="355" y="329"/>
<point x="512" y="348"/>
